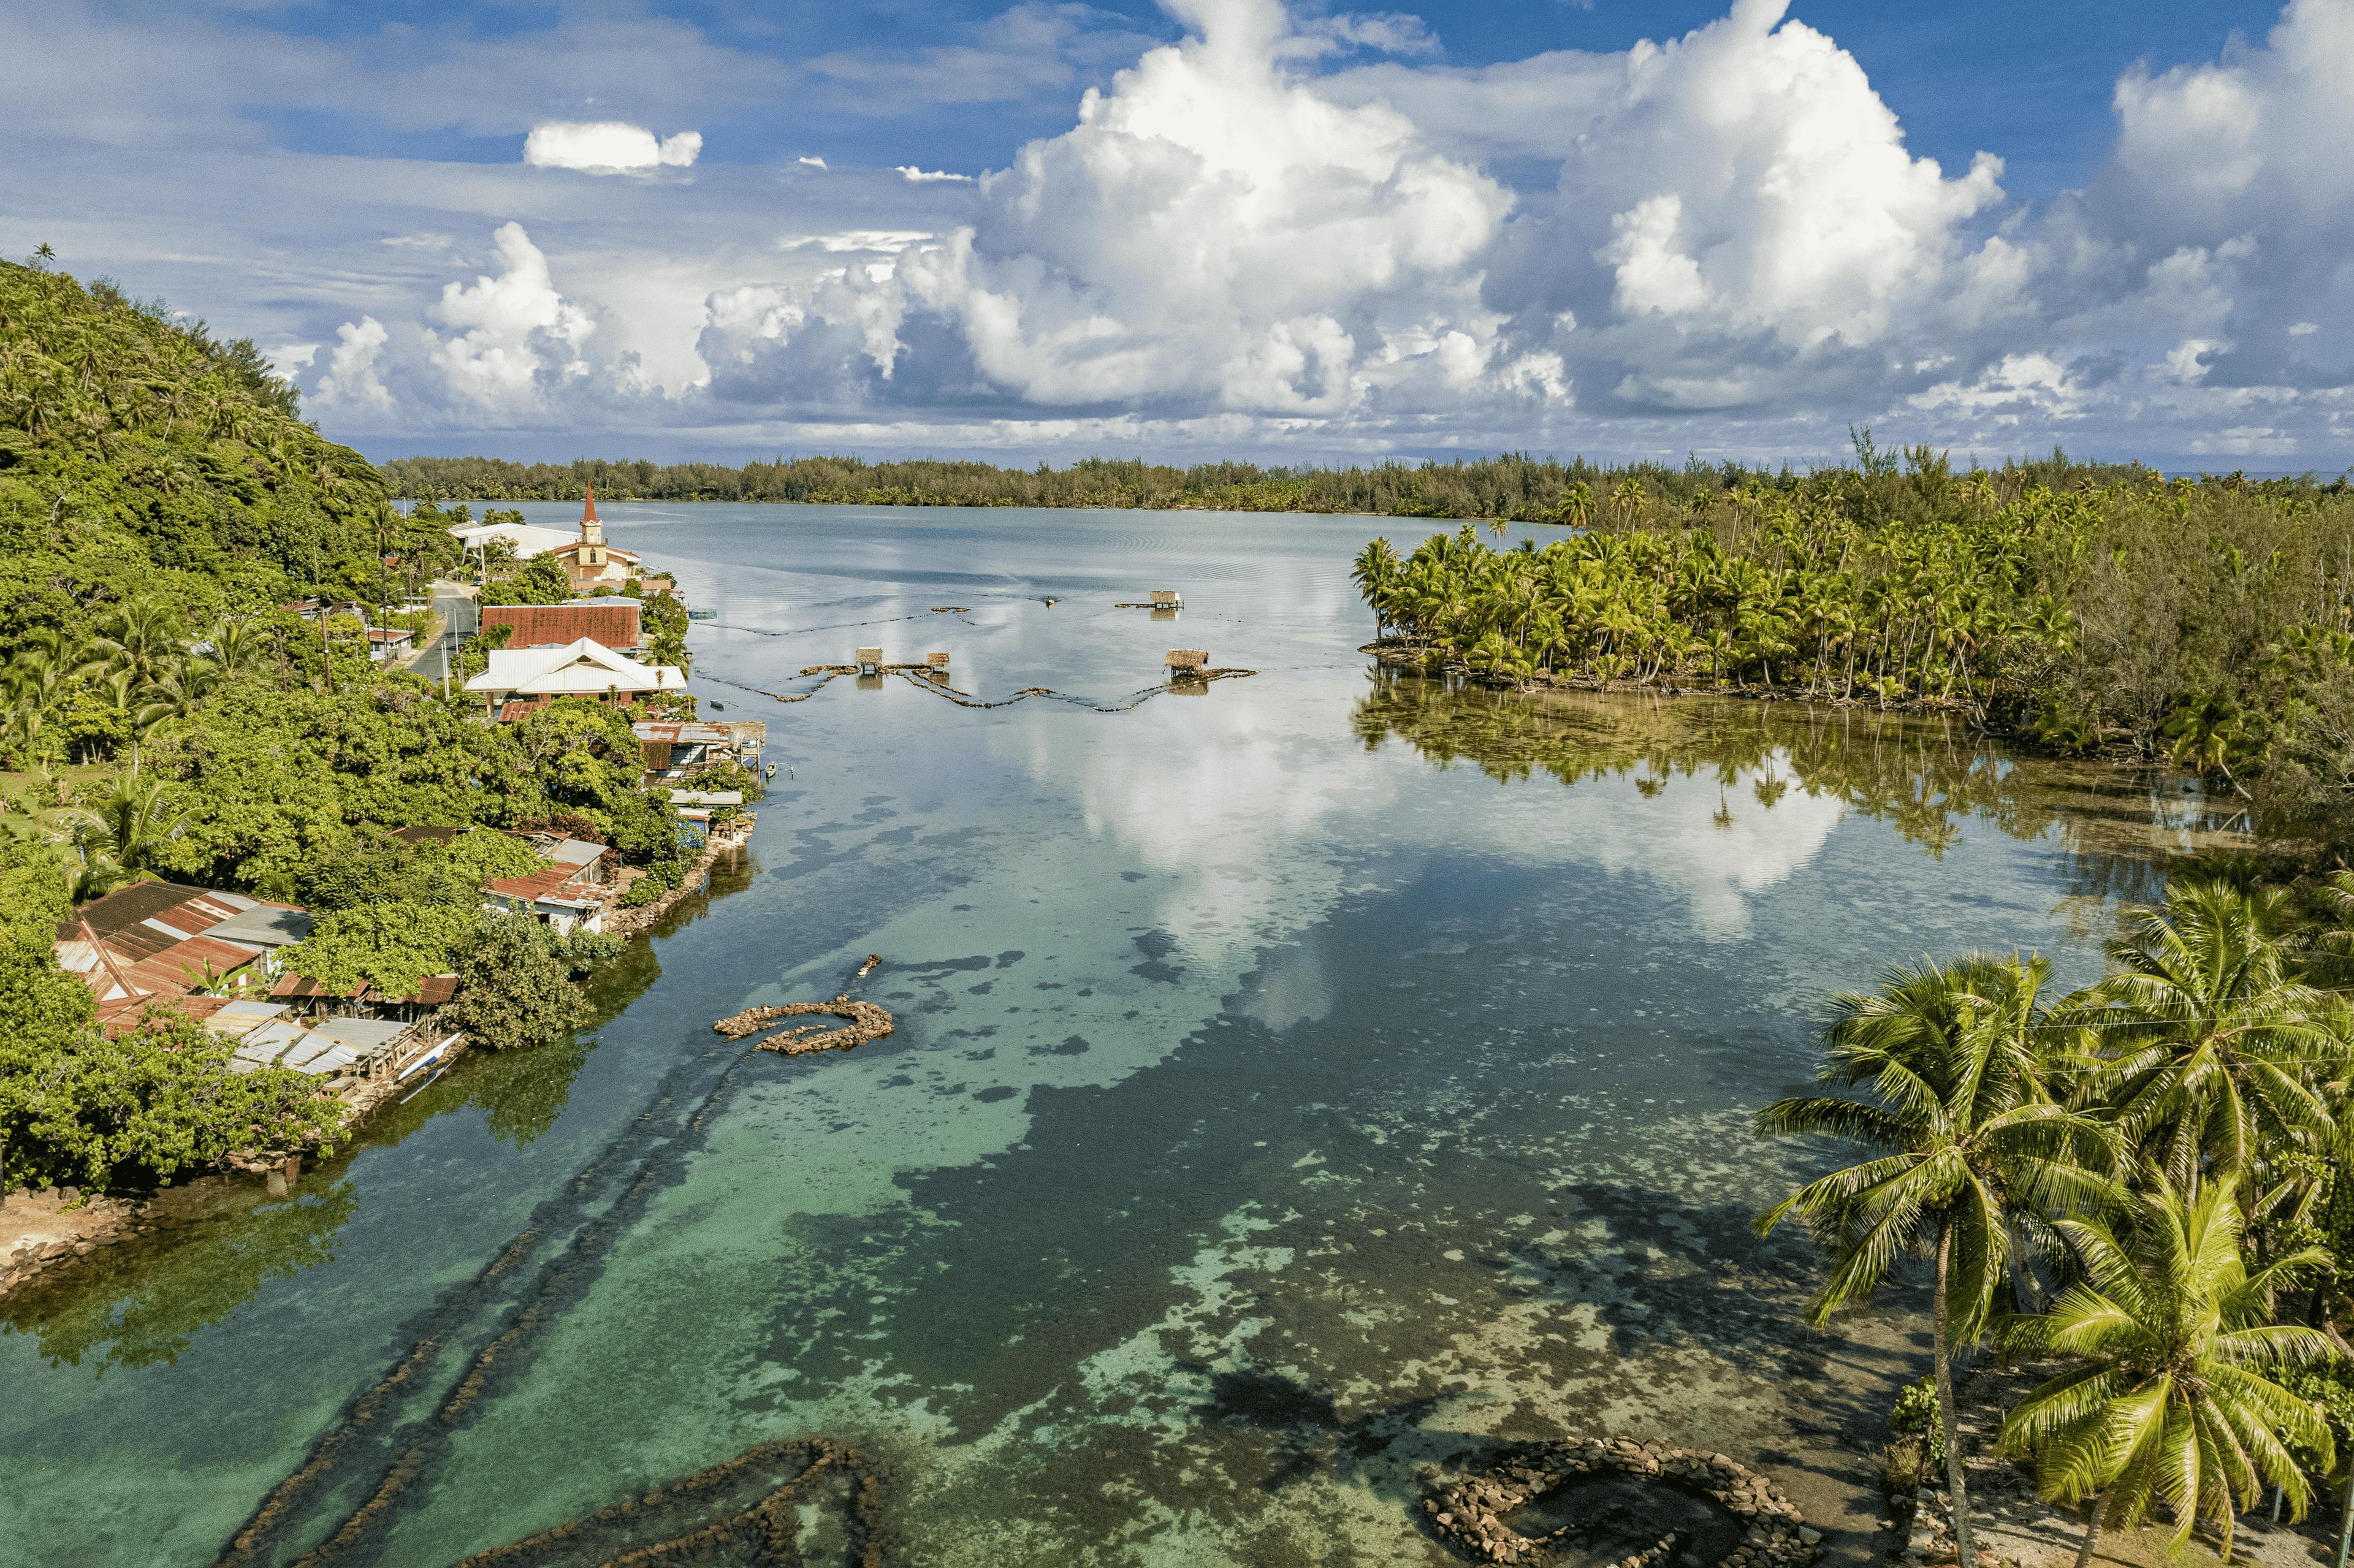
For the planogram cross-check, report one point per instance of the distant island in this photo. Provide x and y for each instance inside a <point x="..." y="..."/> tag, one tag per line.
<point x="1512" y="487"/>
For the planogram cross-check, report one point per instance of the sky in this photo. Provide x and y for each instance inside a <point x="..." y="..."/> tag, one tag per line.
<point x="1211" y="229"/>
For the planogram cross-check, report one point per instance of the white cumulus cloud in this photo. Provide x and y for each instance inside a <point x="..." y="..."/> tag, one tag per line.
<point x="1241" y="239"/>
<point x="508" y="348"/>
<point x="608" y="147"/>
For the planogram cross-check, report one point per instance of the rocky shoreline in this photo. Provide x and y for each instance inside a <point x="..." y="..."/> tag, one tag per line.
<point x="43" y="1230"/>
<point x="726" y="839"/>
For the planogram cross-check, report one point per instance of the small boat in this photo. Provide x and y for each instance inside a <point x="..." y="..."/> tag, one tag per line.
<point x="702" y="615"/>
<point x="1050" y="603"/>
<point x="772" y="770"/>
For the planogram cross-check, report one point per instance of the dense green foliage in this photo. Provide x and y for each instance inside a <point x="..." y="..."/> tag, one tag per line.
<point x="388" y="945"/>
<point x="513" y="989"/>
<point x="79" y="1106"/>
<point x="1512" y="486"/>
<point x="539" y="580"/>
<point x="2211" y="621"/>
<point x="373" y="865"/>
<point x="162" y="507"/>
<point x="141" y="458"/>
<point x="2162" y="1144"/>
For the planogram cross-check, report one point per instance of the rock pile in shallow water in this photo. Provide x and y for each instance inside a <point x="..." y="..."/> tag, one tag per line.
<point x="1469" y="1510"/>
<point x="867" y="1021"/>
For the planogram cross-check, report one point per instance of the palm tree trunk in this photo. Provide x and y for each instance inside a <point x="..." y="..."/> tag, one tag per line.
<point x="2023" y="1280"/>
<point x="2092" y="1526"/>
<point x="1965" y="1555"/>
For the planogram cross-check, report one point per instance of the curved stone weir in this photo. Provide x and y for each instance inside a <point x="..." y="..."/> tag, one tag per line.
<point x="867" y="1021"/>
<point x="1489" y="1514"/>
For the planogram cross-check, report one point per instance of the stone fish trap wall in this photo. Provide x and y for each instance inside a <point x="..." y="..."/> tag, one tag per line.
<point x="1468" y="1512"/>
<point x="764" y="1533"/>
<point x="867" y="1021"/>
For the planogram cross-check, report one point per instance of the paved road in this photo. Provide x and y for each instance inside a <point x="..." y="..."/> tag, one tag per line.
<point x="461" y="618"/>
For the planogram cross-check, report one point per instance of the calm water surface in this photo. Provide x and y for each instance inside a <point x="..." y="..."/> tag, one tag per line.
<point x="1296" y="1085"/>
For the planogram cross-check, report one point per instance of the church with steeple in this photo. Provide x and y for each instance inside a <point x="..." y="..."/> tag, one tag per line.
<point x="594" y="565"/>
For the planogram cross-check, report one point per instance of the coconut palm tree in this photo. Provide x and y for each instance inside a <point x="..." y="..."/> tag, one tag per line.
<point x="1375" y="573"/>
<point x="237" y="645"/>
<point x="2208" y="1048"/>
<point x="142" y="636"/>
<point x="1627" y="494"/>
<point x="126" y="828"/>
<point x="2171" y="1337"/>
<point x="179" y="693"/>
<point x="1957" y="1062"/>
<point x="1577" y="503"/>
<point x="35" y="682"/>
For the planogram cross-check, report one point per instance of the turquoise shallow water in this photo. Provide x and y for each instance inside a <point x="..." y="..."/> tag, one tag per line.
<point x="1296" y="1083"/>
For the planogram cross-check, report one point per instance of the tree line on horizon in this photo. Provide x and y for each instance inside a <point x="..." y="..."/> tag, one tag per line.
<point x="1512" y="486"/>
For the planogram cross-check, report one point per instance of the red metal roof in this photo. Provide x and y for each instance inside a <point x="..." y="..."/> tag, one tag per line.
<point x="119" y="918"/>
<point x="553" y="625"/>
<point x="124" y="1012"/>
<point x="298" y="987"/>
<point x="590" y="514"/>
<point x="184" y="966"/>
<point x="432" y="991"/>
<point x="538" y="885"/>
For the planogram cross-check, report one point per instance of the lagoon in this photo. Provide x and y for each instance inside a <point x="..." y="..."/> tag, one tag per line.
<point x="1297" y="1084"/>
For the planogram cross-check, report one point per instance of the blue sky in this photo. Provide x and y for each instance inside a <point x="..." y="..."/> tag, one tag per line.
<point x="1227" y="227"/>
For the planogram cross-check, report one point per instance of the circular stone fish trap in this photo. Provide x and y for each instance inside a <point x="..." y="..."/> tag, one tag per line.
<point x="1469" y="1509"/>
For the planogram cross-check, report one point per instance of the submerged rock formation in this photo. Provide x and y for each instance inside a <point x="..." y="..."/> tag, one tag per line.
<point x="1469" y="1510"/>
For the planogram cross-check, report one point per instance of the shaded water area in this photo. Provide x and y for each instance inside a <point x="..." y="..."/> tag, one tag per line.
<point x="1298" y="1082"/>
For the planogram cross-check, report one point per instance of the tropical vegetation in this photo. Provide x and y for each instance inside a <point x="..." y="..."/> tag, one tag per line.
<point x="2141" y="1184"/>
<point x="182" y="697"/>
<point x="2211" y="621"/>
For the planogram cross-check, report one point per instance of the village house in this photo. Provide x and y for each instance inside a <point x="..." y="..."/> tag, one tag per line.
<point x="160" y="942"/>
<point x="519" y="681"/>
<point x="679" y="748"/>
<point x="387" y="643"/>
<point x="570" y="893"/>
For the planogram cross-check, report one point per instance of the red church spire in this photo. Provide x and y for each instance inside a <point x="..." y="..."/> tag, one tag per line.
<point x="591" y="516"/>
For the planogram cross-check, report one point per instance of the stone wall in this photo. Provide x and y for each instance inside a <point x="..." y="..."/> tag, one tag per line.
<point x="1469" y="1509"/>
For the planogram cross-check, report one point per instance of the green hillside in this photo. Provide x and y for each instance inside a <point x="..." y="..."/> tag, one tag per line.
<point x="140" y="455"/>
<point x="164" y="713"/>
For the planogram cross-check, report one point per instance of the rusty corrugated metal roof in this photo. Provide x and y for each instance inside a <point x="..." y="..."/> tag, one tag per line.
<point x="550" y="625"/>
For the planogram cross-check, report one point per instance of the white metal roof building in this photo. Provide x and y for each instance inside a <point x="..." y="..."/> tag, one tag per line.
<point x="527" y="540"/>
<point x="518" y="680"/>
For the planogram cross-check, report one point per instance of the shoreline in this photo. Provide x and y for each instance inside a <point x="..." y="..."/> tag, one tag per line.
<point x="43" y="1231"/>
<point x="1406" y="658"/>
<point x="726" y="839"/>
